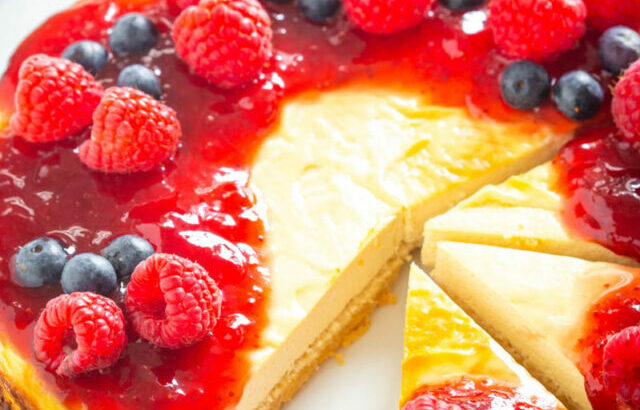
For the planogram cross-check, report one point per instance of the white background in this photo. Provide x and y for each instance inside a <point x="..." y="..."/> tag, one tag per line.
<point x="370" y="377"/>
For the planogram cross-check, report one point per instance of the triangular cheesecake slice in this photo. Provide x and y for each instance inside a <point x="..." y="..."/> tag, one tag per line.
<point x="448" y="359"/>
<point x="563" y="318"/>
<point x="523" y="213"/>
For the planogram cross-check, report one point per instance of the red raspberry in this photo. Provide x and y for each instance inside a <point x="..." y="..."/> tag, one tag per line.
<point x="225" y="41"/>
<point x="603" y="14"/>
<point x="625" y="105"/>
<point x="95" y="322"/>
<point x="172" y="302"/>
<point x="131" y="132"/>
<point x="387" y="16"/>
<point x="536" y="29"/>
<point x="55" y="98"/>
<point x="621" y="366"/>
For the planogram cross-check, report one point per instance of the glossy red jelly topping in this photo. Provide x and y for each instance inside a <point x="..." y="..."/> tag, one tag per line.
<point x="198" y="205"/>
<point x="477" y="394"/>
<point x="618" y="308"/>
<point x="599" y="174"/>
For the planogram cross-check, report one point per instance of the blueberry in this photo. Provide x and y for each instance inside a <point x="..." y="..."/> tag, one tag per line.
<point x="459" y="5"/>
<point x="618" y="48"/>
<point x="89" y="54"/>
<point x="88" y="272"/>
<point x="319" y="10"/>
<point x="524" y="85"/>
<point x="133" y="33"/>
<point x="40" y="262"/>
<point x="280" y="1"/>
<point x="140" y="77"/>
<point x="126" y="252"/>
<point x="578" y="95"/>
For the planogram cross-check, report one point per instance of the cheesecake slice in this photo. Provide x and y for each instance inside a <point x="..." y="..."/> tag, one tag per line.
<point x="348" y="179"/>
<point x="444" y="349"/>
<point x="524" y="212"/>
<point x="555" y="314"/>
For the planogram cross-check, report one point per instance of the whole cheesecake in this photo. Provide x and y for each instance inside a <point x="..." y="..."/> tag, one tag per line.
<point x="300" y="192"/>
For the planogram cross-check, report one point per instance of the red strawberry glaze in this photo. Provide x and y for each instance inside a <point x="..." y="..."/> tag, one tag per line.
<point x="598" y="174"/>
<point x="617" y="308"/>
<point x="198" y="205"/>
<point x="477" y="394"/>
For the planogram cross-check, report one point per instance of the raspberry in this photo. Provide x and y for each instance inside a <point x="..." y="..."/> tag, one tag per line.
<point x="172" y="302"/>
<point x="625" y="105"/>
<point x="536" y="29"/>
<point x="95" y="323"/>
<point x="386" y="16"/>
<point x="603" y="14"/>
<point x="225" y="41"/>
<point x="131" y="132"/>
<point x="621" y="368"/>
<point x="55" y="98"/>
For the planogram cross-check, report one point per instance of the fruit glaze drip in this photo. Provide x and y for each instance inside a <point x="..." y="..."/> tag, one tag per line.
<point x="198" y="205"/>
<point x="477" y="394"/>
<point x="608" y="351"/>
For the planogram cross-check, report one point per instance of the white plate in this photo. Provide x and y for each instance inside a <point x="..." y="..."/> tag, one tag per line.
<point x="370" y="377"/>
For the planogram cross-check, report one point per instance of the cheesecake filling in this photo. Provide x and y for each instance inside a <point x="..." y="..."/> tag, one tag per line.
<point x="450" y="361"/>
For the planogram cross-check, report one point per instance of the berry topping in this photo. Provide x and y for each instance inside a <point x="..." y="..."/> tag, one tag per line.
<point x="536" y="29"/>
<point x="608" y="13"/>
<point x="182" y="4"/>
<point x="88" y="272"/>
<point x="54" y="99"/>
<point x="94" y="322"/>
<point x="126" y="252"/>
<point x="621" y="364"/>
<point x="459" y="5"/>
<point x="318" y="10"/>
<point x="133" y="33"/>
<point x="626" y="100"/>
<point x="140" y="77"/>
<point x="427" y="402"/>
<point x="525" y="85"/>
<point x="279" y="1"/>
<point x="131" y="132"/>
<point x="172" y="302"/>
<point x="578" y="95"/>
<point x="227" y="42"/>
<point x="618" y="48"/>
<point x="89" y="54"/>
<point x="387" y="16"/>
<point x="38" y="263"/>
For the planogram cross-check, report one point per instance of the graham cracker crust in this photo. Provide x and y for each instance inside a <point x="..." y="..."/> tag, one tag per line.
<point x="348" y="322"/>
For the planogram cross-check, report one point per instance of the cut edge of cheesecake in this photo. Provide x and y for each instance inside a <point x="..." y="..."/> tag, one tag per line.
<point x="524" y="213"/>
<point x="535" y="349"/>
<point x="435" y="326"/>
<point x="412" y="220"/>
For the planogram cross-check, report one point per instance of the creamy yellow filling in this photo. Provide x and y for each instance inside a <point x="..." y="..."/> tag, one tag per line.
<point x="441" y="342"/>
<point x="525" y="212"/>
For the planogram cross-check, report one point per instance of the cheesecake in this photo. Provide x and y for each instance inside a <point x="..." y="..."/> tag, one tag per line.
<point x="524" y="212"/>
<point x="450" y="358"/>
<point x="301" y="193"/>
<point x="559" y="316"/>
